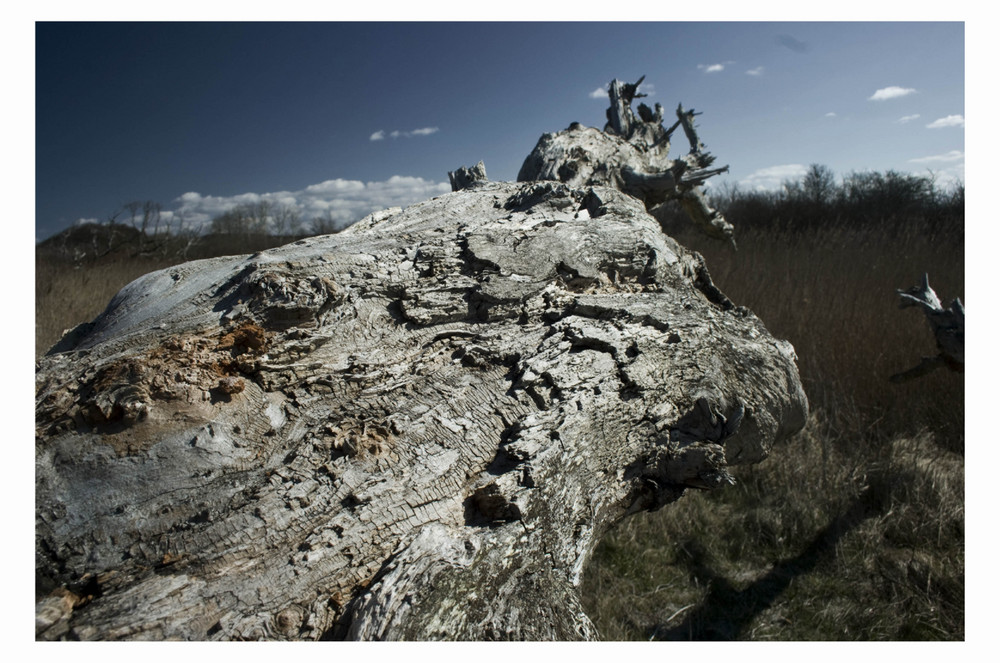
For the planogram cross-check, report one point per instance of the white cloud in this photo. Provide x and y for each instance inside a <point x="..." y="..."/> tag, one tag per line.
<point x="756" y="71"/>
<point x="946" y="175"/>
<point x="947" y="157"/>
<point x="336" y="187"/>
<point x="773" y="177"/>
<point x="830" y="114"/>
<point x="345" y="200"/>
<point x="711" y="68"/>
<point x="949" y="121"/>
<point x="907" y="118"/>
<point x="890" y="92"/>
<point x="950" y="176"/>
<point x="599" y="93"/>
<point x="425" y="131"/>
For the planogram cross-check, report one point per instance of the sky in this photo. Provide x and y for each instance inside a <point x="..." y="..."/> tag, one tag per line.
<point x="344" y="118"/>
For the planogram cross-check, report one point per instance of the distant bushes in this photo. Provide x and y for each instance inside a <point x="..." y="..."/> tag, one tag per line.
<point x="860" y="200"/>
<point x="891" y="202"/>
<point x="260" y="218"/>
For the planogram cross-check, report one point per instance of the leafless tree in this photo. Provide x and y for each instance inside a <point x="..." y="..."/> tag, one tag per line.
<point x="325" y="224"/>
<point x="285" y="220"/>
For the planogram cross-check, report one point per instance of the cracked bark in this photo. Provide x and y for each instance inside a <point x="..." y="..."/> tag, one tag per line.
<point x="418" y="428"/>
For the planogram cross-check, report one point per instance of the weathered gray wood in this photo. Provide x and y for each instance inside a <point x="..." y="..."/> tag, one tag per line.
<point x="686" y="119"/>
<point x="948" y="326"/>
<point x="711" y="222"/>
<point x="418" y="428"/>
<point x="464" y="177"/>
<point x="620" y="117"/>
<point x="631" y="155"/>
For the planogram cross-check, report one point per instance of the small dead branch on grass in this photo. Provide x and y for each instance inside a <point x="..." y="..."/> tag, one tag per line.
<point x="948" y="326"/>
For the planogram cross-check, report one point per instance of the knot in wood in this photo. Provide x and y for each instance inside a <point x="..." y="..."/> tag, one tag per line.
<point x="288" y="621"/>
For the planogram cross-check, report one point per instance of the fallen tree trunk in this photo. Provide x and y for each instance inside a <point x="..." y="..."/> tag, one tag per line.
<point x="418" y="428"/>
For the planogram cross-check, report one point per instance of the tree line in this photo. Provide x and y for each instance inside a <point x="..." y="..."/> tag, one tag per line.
<point x="266" y="217"/>
<point x="262" y="217"/>
<point x="141" y="229"/>
<point x="890" y="199"/>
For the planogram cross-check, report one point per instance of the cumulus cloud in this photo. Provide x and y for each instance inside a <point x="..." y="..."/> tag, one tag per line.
<point x="791" y="43"/>
<point x="950" y="176"/>
<point x="711" y="68"/>
<point x="343" y="201"/>
<point x="949" y="121"/>
<point x="773" y="177"/>
<point x="945" y="173"/>
<point x="756" y="71"/>
<point x="425" y="131"/>
<point x="891" y="92"/>
<point x="947" y="157"/>
<point x="599" y="93"/>
<point x="907" y="118"/>
<point x="947" y="169"/>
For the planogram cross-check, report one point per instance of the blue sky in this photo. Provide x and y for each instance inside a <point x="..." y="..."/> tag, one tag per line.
<point x="350" y="117"/>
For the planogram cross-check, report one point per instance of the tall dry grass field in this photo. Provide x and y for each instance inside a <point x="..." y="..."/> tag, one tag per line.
<point x="68" y="293"/>
<point x="852" y="530"/>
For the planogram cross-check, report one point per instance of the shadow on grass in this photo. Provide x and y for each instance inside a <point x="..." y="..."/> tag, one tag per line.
<point x="727" y="611"/>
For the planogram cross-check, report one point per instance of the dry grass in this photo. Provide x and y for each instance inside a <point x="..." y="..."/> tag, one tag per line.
<point x="852" y="530"/>
<point x="832" y="293"/>
<point x="803" y="548"/>
<point x="68" y="293"/>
